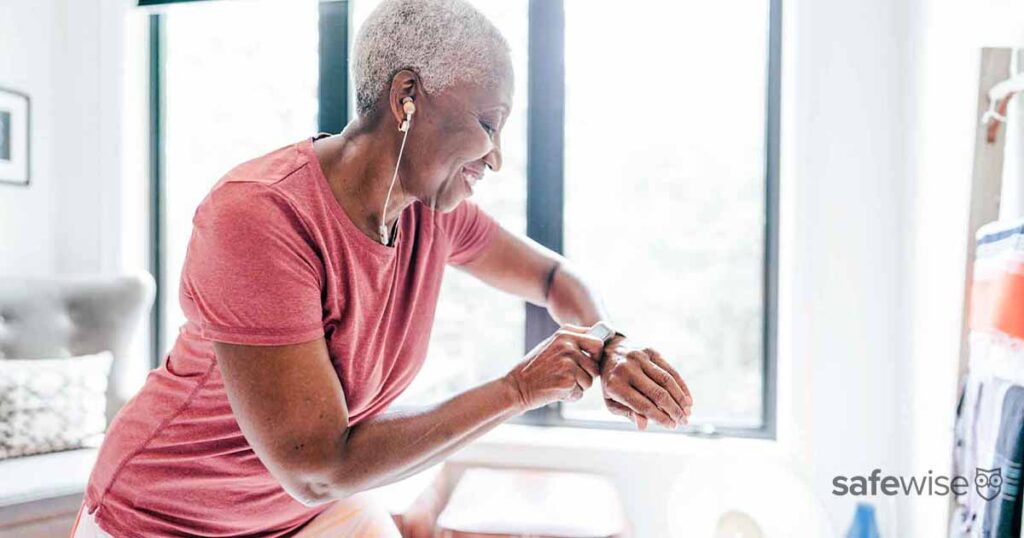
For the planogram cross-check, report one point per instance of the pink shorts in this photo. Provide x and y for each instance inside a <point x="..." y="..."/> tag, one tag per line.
<point x="355" y="516"/>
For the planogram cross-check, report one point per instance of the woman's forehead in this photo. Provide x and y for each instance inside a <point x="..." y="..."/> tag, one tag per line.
<point x="494" y="94"/>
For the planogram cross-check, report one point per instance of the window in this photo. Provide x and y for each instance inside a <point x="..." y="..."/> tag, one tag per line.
<point x="650" y="126"/>
<point x="665" y="202"/>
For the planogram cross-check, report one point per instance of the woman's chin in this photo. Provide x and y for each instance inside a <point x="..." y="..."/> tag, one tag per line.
<point x="447" y="205"/>
<point x="450" y="198"/>
<point x="442" y="203"/>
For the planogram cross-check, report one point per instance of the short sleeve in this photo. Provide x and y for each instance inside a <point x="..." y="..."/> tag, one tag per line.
<point x="251" y="269"/>
<point x="468" y="230"/>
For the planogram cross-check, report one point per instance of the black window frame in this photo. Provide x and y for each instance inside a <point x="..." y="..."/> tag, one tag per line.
<point x="545" y="176"/>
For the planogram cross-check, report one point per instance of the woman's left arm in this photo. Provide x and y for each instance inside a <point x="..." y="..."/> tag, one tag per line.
<point x="637" y="381"/>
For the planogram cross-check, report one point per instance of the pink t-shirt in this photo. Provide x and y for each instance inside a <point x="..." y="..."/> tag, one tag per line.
<point x="273" y="260"/>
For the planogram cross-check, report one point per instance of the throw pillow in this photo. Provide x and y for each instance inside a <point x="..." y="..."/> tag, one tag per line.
<point x="48" y="405"/>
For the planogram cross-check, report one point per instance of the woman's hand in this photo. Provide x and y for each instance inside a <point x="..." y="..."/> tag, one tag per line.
<point x="559" y="368"/>
<point x="641" y="385"/>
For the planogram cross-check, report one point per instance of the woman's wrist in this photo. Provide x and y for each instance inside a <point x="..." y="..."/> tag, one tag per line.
<point x="512" y="394"/>
<point x="611" y="345"/>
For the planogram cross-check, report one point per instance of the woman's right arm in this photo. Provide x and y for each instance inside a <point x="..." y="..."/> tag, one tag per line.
<point x="291" y="408"/>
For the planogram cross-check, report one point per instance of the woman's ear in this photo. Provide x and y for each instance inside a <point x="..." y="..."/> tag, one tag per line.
<point x="405" y="84"/>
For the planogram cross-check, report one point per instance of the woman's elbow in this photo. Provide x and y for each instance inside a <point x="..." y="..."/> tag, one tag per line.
<point x="316" y="488"/>
<point x="313" y="479"/>
<point x="313" y="492"/>
<point x="321" y="476"/>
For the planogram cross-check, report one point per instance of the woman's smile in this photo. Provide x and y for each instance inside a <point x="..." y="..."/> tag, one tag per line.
<point x="470" y="176"/>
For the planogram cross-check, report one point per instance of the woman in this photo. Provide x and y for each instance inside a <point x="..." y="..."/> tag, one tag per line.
<point x="309" y="287"/>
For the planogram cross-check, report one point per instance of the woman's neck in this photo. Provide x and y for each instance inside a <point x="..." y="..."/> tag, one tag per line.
<point x="359" y="164"/>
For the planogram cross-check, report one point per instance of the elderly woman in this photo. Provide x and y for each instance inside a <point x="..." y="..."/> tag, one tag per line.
<point x="310" y="285"/>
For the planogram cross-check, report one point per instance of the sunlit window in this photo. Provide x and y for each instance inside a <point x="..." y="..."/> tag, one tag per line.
<point x="241" y="80"/>
<point x="665" y="185"/>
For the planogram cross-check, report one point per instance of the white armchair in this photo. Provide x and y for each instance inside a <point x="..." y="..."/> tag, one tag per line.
<point x="64" y="317"/>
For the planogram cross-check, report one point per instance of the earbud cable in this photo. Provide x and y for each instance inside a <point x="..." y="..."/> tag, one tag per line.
<point x="384" y="235"/>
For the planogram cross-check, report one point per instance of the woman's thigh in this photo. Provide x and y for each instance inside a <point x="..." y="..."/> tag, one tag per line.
<point x="357" y="516"/>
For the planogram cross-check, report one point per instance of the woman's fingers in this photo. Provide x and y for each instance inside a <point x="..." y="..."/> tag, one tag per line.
<point x="583" y="378"/>
<point x="593" y="345"/>
<point x="618" y="409"/>
<point x="584" y="349"/>
<point x="588" y="364"/>
<point x="641" y="405"/>
<point x="679" y="400"/>
<point x="660" y="361"/>
<point x="561" y="367"/>
<point x="661" y="398"/>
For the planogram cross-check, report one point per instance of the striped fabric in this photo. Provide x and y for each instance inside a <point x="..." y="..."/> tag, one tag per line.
<point x="997" y="293"/>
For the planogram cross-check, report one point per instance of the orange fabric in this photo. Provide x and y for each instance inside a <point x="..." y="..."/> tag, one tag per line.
<point x="78" y="519"/>
<point x="358" y="517"/>
<point x="996" y="304"/>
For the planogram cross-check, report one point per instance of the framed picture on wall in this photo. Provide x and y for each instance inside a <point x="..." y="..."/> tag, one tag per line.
<point x="15" y="111"/>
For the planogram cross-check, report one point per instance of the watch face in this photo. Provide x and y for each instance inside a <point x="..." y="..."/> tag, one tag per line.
<point x="600" y="330"/>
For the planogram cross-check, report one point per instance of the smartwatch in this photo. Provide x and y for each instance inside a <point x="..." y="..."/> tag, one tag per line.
<point x="603" y="331"/>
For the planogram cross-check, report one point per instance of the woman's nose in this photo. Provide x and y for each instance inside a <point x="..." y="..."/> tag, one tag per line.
<point x="493" y="159"/>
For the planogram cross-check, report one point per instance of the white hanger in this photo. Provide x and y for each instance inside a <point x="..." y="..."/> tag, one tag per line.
<point x="1004" y="89"/>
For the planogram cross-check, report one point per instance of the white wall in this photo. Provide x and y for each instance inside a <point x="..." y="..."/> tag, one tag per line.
<point x="843" y="238"/>
<point x="27" y="49"/>
<point x="880" y="114"/>
<point x="88" y="205"/>
<point x="68" y="55"/>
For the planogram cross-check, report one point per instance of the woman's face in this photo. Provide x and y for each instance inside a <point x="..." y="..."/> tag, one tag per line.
<point x="455" y="137"/>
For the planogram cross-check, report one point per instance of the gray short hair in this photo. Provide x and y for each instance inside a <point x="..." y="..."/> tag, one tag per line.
<point x="443" y="41"/>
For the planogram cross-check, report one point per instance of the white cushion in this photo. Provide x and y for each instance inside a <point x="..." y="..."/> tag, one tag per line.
<point x="45" y="476"/>
<point x="48" y="405"/>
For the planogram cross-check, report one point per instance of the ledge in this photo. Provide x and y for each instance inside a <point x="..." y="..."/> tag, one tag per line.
<point x="526" y="440"/>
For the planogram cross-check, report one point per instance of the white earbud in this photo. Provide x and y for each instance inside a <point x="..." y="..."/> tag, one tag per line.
<point x="409" y="107"/>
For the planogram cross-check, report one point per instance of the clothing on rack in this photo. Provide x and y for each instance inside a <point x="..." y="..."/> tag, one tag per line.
<point x="1002" y="515"/>
<point x="989" y="431"/>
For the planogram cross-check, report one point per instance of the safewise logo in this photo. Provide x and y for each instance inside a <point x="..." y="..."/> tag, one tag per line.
<point x="987" y="483"/>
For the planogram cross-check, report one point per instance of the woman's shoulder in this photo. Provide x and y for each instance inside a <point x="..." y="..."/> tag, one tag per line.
<point x="246" y="203"/>
<point x="259" y="191"/>
<point x="270" y="169"/>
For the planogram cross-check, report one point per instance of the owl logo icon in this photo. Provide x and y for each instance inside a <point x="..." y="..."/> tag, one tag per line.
<point x="988" y="482"/>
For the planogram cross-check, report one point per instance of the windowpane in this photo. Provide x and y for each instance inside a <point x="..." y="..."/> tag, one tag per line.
<point x="478" y="331"/>
<point x="240" y="81"/>
<point x="665" y="186"/>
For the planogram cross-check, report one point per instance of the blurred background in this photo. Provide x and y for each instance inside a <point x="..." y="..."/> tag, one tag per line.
<point x="774" y="193"/>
